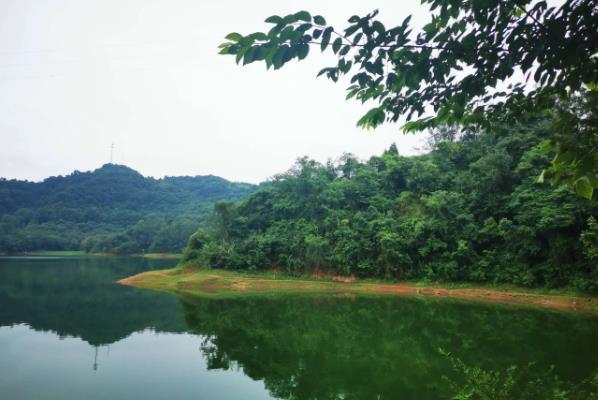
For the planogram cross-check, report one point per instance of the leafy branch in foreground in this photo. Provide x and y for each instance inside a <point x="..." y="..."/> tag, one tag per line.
<point x="516" y="383"/>
<point x="458" y="70"/>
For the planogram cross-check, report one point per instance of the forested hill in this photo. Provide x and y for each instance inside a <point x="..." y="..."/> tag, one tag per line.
<point x="112" y="209"/>
<point x="469" y="210"/>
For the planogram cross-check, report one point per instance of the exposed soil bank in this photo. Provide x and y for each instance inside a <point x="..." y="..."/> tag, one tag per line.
<point x="221" y="283"/>
<point x="161" y="256"/>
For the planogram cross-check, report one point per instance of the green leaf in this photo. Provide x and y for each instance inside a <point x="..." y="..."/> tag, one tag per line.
<point x="259" y="54"/>
<point x="351" y="30"/>
<point x="326" y="38"/>
<point x="289" y="54"/>
<point x="336" y="45"/>
<point x="248" y="56"/>
<point x="562" y="158"/>
<point x="372" y="118"/>
<point x="418" y="125"/>
<point x="357" y="38"/>
<point x="274" y="19"/>
<point x="584" y="188"/>
<point x="233" y="36"/>
<point x="240" y="53"/>
<point x="303" y="16"/>
<point x="304" y="27"/>
<point x="258" y="36"/>
<point x="272" y="33"/>
<point x="269" y="56"/>
<point x="378" y="27"/>
<point x="278" y="59"/>
<point x="303" y="51"/>
<point x="318" y="19"/>
<point x="323" y="71"/>
<point x="289" y="19"/>
<point x="287" y="33"/>
<point x="351" y="94"/>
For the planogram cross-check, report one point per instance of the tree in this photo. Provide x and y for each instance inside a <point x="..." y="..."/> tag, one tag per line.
<point x="196" y="243"/>
<point x="454" y="71"/>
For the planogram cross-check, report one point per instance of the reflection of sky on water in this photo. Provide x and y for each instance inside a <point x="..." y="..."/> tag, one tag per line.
<point x="145" y="365"/>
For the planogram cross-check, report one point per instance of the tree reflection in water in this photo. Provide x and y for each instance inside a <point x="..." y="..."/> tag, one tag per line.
<point x="304" y="347"/>
<point x="367" y="348"/>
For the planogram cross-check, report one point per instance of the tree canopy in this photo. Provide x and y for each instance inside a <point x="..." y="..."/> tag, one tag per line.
<point x="461" y="69"/>
<point x="113" y="209"/>
<point x="469" y="210"/>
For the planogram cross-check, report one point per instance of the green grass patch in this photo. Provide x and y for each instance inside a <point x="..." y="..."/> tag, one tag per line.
<point x="163" y="256"/>
<point x="226" y="283"/>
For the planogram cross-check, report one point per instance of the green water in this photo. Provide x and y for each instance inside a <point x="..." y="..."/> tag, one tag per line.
<point x="68" y="332"/>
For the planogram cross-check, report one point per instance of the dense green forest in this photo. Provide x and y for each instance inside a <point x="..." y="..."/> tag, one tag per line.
<point x="469" y="210"/>
<point x="112" y="209"/>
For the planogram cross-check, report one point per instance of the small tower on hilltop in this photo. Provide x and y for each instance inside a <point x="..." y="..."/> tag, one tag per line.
<point x="111" y="153"/>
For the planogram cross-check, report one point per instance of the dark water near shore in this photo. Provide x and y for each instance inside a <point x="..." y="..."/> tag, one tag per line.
<point x="68" y="332"/>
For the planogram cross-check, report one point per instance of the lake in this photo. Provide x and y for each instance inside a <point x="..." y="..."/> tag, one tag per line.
<point x="67" y="331"/>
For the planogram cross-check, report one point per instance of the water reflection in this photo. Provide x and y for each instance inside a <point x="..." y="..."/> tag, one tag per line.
<point x="299" y="347"/>
<point x="331" y="348"/>
<point x="77" y="297"/>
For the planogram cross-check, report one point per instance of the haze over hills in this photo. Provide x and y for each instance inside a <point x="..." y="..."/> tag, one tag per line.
<point x="111" y="209"/>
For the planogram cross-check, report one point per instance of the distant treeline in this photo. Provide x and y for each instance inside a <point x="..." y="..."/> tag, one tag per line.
<point x="469" y="210"/>
<point x="113" y="209"/>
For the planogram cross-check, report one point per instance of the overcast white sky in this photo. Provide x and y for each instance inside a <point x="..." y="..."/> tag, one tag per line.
<point x="78" y="75"/>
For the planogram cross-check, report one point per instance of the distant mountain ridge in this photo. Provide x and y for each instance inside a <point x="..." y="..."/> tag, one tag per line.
<point x="60" y="212"/>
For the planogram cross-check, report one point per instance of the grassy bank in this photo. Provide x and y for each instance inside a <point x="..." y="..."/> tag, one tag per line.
<point x="163" y="256"/>
<point x="222" y="283"/>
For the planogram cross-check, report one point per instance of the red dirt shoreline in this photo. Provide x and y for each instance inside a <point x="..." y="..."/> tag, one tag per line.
<point x="226" y="283"/>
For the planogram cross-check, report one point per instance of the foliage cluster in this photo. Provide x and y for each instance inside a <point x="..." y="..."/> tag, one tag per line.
<point x="469" y="210"/>
<point x="515" y="383"/>
<point x="463" y="67"/>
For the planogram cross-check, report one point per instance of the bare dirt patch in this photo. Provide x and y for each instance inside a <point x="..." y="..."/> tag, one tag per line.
<point x="203" y="281"/>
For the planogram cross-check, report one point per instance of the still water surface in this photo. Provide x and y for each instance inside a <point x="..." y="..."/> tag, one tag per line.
<point x="68" y="332"/>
